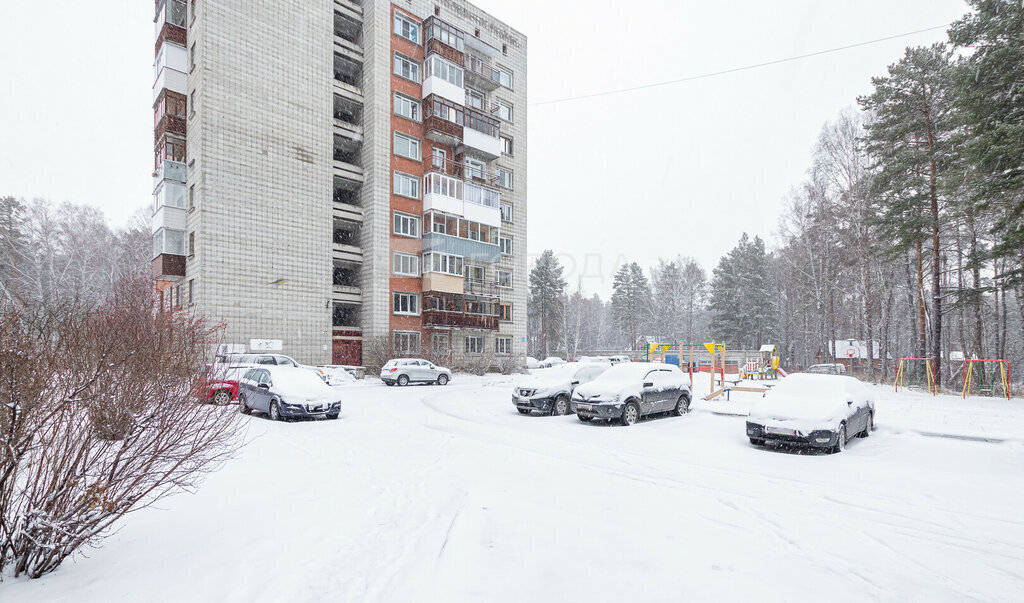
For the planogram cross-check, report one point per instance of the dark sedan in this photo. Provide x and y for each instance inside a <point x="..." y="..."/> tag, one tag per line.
<point x="285" y="392"/>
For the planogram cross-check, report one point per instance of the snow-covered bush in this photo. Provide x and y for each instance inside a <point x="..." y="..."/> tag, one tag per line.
<point x="97" y="419"/>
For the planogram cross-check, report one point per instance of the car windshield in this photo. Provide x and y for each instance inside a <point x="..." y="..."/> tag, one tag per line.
<point x="823" y="388"/>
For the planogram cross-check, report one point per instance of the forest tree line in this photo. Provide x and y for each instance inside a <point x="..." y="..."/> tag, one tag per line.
<point x="907" y="231"/>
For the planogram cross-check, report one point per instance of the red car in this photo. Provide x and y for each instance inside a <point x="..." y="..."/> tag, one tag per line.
<point x="218" y="383"/>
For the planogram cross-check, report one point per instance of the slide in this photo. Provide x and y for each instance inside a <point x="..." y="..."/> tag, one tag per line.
<point x="781" y="372"/>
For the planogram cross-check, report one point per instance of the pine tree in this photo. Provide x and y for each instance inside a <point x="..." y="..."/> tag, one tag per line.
<point x="547" y="301"/>
<point x="910" y="140"/>
<point x="743" y="296"/>
<point x="631" y="301"/>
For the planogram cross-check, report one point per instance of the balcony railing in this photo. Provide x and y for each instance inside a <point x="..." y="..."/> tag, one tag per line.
<point x="442" y="130"/>
<point x="478" y="287"/>
<point x="483" y="75"/>
<point x="463" y="320"/>
<point x="445" y="166"/>
<point x="482" y="122"/>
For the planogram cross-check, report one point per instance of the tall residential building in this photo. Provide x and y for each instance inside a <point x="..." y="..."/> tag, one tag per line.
<point x="331" y="173"/>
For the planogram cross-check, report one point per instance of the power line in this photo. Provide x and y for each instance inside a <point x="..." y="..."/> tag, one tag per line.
<point x="735" y="69"/>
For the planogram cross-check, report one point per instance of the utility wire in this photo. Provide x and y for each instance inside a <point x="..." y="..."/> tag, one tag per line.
<point x="735" y="69"/>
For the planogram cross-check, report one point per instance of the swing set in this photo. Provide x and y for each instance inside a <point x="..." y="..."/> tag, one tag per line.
<point x="986" y="382"/>
<point x="918" y="376"/>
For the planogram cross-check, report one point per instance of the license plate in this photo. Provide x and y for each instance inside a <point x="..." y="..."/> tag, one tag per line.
<point x="780" y="431"/>
<point x="584" y="407"/>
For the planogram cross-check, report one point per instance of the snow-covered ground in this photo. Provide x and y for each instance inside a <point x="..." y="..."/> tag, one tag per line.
<point x="448" y="494"/>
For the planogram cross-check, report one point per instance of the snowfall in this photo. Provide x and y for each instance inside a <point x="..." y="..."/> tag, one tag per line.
<point x="430" y="493"/>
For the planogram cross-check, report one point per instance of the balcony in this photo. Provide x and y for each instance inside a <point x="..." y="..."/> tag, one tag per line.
<point x="479" y="251"/>
<point x="346" y="253"/>
<point x="169" y="124"/>
<point x="453" y="319"/>
<point x="343" y="294"/>
<point x="170" y="170"/>
<point x="167" y="266"/>
<point x="444" y="39"/>
<point x="351" y="9"/>
<point x="348" y="49"/>
<point x="480" y="138"/>
<point x="480" y="75"/>
<point x="481" y="288"/>
<point x="442" y="131"/>
<point x="447" y="167"/>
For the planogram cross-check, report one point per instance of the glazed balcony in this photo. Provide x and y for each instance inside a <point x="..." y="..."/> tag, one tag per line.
<point x="445" y="39"/>
<point x="453" y="319"/>
<point x="170" y="23"/>
<point x="478" y="251"/>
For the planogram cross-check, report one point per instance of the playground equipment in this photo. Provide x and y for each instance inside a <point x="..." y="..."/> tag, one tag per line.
<point x="986" y="385"/>
<point x="916" y="375"/>
<point x="766" y="366"/>
<point x="659" y="352"/>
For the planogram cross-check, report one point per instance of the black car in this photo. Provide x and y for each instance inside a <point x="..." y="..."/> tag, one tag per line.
<point x="627" y="391"/>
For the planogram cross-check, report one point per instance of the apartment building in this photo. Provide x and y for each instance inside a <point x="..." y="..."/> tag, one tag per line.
<point x="332" y="174"/>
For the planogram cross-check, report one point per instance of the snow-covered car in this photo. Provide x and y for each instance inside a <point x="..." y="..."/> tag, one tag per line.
<point x="628" y="391"/>
<point x="285" y="392"/>
<point x="273" y="359"/>
<point x="404" y="371"/>
<point x="813" y="410"/>
<point x="826" y="369"/>
<point x="549" y="390"/>
<point x="532" y="363"/>
<point x="550" y="361"/>
<point x="604" y="359"/>
<point x="218" y="383"/>
<point x="337" y="375"/>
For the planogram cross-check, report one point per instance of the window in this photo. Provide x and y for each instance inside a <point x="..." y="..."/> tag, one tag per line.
<point x="439" y="184"/>
<point x="503" y="345"/>
<point x="444" y="263"/>
<point x="191" y="244"/>
<point x="407" y="107"/>
<point x="439" y="343"/>
<point x="504" y="277"/>
<point x="506" y="212"/>
<point x="192" y="104"/>
<point x="449" y="72"/>
<point x="506" y="145"/>
<point x="475" y="168"/>
<point x="407" y="226"/>
<point x="407" y="68"/>
<point x="406" y="342"/>
<point x="192" y="197"/>
<point x="446" y="110"/>
<point x="505" y="312"/>
<point x="192" y="58"/>
<point x="481" y="195"/>
<point x="406" y="264"/>
<point x="406" y="185"/>
<point x="438" y="157"/>
<point x="177" y="296"/>
<point x="407" y="28"/>
<point x="506" y="245"/>
<point x="169" y="241"/>
<point x="407" y="146"/>
<point x="444" y="33"/>
<point x="405" y="303"/>
<point x="191" y="291"/>
<point x="505" y="78"/>
<point x="504" y="111"/>
<point x="504" y="177"/>
<point x="474" y="345"/>
<point x="475" y="99"/>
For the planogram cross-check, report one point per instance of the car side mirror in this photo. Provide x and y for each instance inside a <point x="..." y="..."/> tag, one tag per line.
<point x="648" y="384"/>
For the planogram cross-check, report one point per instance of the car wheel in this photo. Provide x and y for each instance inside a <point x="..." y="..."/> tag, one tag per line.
<point x="523" y="411"/>
<point x="584" y="419"/>
<point x="403" y="380"/>
<point x="840" y="439"/>
<point x="243" y="405"/>
<point x="442" y="379"/>
<point x="630" y="414"/>
<point x="757" y="441"/>
<point x="868" y="426"/>
<point x="561" y="406"/>
<point x="222" y="397"/>
<point x="683" y="405"/>
<point x="275" y="414"/>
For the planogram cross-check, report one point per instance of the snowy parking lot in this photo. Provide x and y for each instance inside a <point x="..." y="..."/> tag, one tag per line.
<point x="448" y="494"/>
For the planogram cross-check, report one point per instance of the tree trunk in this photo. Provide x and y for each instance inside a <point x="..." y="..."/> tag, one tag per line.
<point x="922" y="321"/>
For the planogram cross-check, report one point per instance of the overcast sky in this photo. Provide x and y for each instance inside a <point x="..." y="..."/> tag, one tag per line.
<point x="677" y="169"/>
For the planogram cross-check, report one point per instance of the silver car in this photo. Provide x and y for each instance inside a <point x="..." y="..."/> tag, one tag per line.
<point x="404" y="371"/>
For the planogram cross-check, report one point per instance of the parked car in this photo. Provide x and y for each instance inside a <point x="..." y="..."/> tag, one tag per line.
<point x="275" y="359"/>
<point x="550" y="361"/>
<point x="813" y="410"/>
<point x="218" y="383"/>
<point x="532" y="363"/>
<point x="826" y="369"/>
<point x="595" y="359"/>
<point x="285" y="392"/>
<point x="550" y="390"/>
<point x="337" y="375"/>
<point x="626" y="392"/>
<point x="404" y="371"/>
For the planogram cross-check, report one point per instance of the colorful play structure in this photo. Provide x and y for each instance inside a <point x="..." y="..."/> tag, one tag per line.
<point x="920" y="372"/>
<point x="692" y="358"/>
